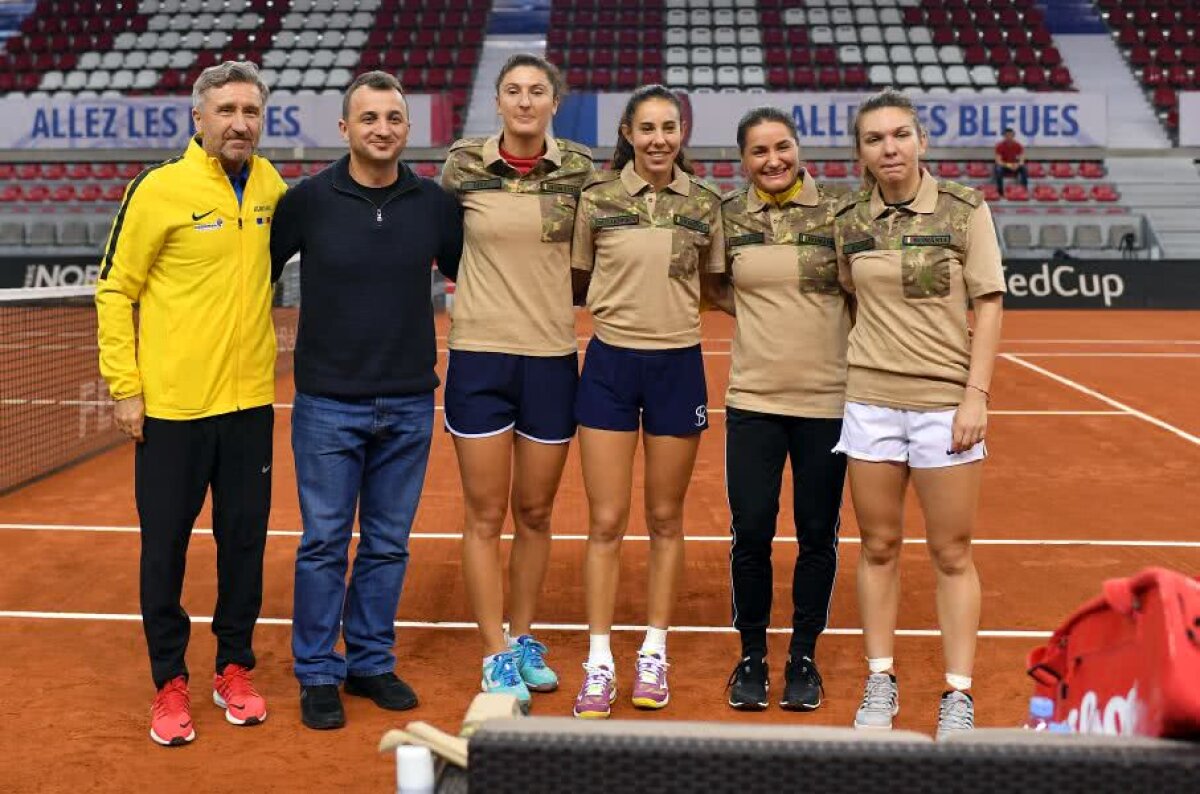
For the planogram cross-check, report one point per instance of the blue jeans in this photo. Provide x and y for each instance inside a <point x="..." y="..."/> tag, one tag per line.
<point x="369" y="453"/>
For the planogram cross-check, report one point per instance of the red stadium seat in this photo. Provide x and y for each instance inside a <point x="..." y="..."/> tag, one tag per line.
<point x="291" y="170"/>
<point x="1035" y="170"/>
<point x="1060" y="77"/>
<point x="1074" y="193"/>
<point x="37" y="193"/>
<point x="1165" y="98"/>
<point x="28" y="171"/>
<point x="836" y="170"/>
<point x="91" y="192"/>
<point x="777" y="77"/>
<point x="828" y="78"/>
<point x="54" y="171"/>
<point x="949" y="169"/>
<point x="1035" y="78"/>
<point x="1062" y="170"/>
<point x="80" y="171"/>
<point x="1045" y="193"/>
<point x="803" y="77"/>
<point x="1105" y="193"/>
<point x="977" y="169"/>
<point x="1090" y="170"/>
<point x="700" y="168"/>
<point x="1015" y="192"/>
<point x="11" y="193"/>
<point x="7" y="171"/>
<point x="1051" y="57"/>
<point x="1179" y="77"/>
<point x="1008" y="76"/>
<point x="63" y="193"/>
<point x="129" y="170"/>
<point x="113" y="193"/>
<point x="990" y="194"/>
<point x="1153" y="76"/>
<point x="722" y="170"/>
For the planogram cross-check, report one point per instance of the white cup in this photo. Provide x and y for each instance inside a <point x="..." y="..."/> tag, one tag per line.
<point x="414" y="770"/>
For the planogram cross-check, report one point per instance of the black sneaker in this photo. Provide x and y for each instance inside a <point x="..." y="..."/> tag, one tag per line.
<point x="748" y="684"/>
<point x="321" y="707"/>
<point x="388" y="691"/>
<point x="802" y="686"/>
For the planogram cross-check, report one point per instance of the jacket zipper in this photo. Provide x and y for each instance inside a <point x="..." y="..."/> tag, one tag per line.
<point x="378" y="207"/>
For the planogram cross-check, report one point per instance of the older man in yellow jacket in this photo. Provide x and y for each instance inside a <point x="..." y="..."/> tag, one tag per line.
<point x="195" y="384"/>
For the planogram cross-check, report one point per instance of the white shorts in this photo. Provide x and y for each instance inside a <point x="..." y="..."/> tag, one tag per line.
<point x="920" y="439"/>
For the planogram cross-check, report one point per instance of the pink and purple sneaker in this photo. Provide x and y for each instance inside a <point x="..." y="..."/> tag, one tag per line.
<point x="596" y="696"/>
<point x="650" y="689"/>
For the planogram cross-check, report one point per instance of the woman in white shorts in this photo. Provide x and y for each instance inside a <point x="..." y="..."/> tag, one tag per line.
<point x="915" y="251"/>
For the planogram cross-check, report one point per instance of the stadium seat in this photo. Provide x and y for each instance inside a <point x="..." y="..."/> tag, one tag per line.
<point x="1053" y="236"/>
<point x="1119" y="231"/>
<point x="1087" y="236"/>
<point x="1062" y="170"/>
<point x="1045" y="193"/>
<point x="1015" y="192"/>
<point x="1074" y="193"/>
<point x="1017" y="235"/>
<point x="1091" y="170"/>
<point x="1105" y="193"/>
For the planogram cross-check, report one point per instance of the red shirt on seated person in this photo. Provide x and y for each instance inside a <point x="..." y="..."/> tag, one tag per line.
<point x="1010" y="160"/>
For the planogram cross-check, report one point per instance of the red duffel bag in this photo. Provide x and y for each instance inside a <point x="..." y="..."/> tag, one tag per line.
<point x="1128" y="662"/>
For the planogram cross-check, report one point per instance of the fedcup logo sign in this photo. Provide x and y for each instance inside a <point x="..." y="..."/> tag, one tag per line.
<point x="1064" y="280"/>
<point x="1118" y="716"/>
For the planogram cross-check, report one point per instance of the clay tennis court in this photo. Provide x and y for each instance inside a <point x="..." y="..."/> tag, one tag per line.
<point x="1095" y="444"/>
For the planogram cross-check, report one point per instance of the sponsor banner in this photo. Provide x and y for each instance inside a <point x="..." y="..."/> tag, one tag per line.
<point x="825" y="119"/>
<point x="48" y="271"/>
<point x="290" y="120"/>
<point x="1189" y="118"/>
<point x="1101" y="284"/>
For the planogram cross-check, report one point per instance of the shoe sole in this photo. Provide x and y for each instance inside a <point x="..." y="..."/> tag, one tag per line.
<point x="748" y="705"/>
<point x="351" y="689"/>
<point x="541" y="687"/>
<point x="859" y="726"/>
<point x="324" y="726"/>
<point x="646" y="704"/>
<point x="178" y="741"/>
<point x="800" y="706"/>
<point x="232" y="720"/>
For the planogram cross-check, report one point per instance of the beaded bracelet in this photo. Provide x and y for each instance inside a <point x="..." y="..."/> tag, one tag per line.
<point x="987" y="398"/>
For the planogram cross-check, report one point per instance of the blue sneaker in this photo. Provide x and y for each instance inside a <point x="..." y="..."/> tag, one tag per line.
<point x="531" y="662"/>
<point x="501" y="675"/>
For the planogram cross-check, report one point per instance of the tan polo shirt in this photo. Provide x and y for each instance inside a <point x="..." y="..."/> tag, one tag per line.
<point x="913" y="269"/>
<point x="513" y="293"/>
<point x="646" y="250"/>
<point x="789" y="343"/>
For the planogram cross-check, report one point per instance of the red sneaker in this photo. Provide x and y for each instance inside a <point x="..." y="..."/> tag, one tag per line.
<point x="234" y="691"/>
<point x="171" y="714"/>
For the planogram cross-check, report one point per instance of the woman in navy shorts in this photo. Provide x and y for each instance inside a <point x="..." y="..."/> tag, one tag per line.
<point x="513" y="369"/>
<point x="650" y="235"/>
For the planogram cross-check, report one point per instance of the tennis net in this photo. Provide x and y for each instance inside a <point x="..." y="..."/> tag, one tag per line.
<point x="54" y="406"/>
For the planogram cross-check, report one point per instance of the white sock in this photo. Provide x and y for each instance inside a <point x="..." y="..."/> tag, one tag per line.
<point x="959" y="682"/>
<point x="599" y="651"/>
<point x="655" y="642"/>
<point x="880" y="665"/>
<point x="509" y="640"/>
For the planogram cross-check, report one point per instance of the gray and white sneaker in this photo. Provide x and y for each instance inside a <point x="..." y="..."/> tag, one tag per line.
<point x="880" y="702"/>
<point x="956" y="713"/>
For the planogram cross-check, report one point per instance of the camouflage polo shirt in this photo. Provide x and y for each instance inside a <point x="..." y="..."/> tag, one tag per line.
<point x="514" y="280"/>
<point x="789" y="344"/>
<point x="646" y="250"/>
<point x="913" y="270"/>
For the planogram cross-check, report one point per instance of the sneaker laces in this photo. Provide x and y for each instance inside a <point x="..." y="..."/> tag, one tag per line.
<point x="650" y="668"/>
<point x="807" y="670"/>
<point x="533" y="653"/>
<point x="504" y="670"/>
<point x="173" y="697"/>
<point x="745" y="665"/>
<point x="879" y="694"/>
<point x="956" y="712"/>
<point x="597" y="680"/>
<point x="236" y="679"/>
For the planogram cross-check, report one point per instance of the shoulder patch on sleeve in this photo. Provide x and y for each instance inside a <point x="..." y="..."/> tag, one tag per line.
<point x="573" y="147"/>
<point x="734" y="194"/>
<point x="710" y="187"/>
<point x="466" y="143"/>
<point x="850" y="200"/>
<point x="961" y="192"/>
<point x="600" y="178"/>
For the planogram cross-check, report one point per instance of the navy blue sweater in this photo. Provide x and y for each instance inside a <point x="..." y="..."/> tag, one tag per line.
<point x="366" y="320"/>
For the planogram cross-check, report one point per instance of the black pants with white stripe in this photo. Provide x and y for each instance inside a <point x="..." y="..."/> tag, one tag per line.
<point x="173" y="470"/>
<point x="756" y="447"/>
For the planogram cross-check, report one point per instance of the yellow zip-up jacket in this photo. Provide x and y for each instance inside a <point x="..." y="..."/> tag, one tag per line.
<point x="198" y="267"/>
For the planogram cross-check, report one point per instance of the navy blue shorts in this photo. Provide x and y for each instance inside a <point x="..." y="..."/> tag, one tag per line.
<point x="666" y="387"/>
<point x="489" y="393"/>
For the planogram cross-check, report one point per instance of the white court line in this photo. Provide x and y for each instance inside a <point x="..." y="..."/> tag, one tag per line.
<point x="1105" y="354"/>
<point x="463" y="625"/>
<point x="1186" y="436"/>
<point x="292" y="533"/>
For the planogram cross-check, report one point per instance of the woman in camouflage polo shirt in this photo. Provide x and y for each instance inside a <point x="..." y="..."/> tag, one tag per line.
<point x="916" y="251"/>
<point x="649" y="233"/>
<point x="513" y="368"/>
<point x="787" y="384"/>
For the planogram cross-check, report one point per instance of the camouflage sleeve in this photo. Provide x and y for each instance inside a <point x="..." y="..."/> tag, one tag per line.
<point x="716" y="243"/>
<point x="450" y="174"/>
<point x="983" y="268"/>
<point x="583" y="252"/>
<point x="843" y="262"/>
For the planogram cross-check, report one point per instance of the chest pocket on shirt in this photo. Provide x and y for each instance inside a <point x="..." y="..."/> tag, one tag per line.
<point x="818" y="264"/>
<point x="925" y="264"/>
<point x="558" y="204"/>
<point x="689" y="236"/>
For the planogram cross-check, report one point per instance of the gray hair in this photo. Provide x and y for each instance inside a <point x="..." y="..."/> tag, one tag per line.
<point x="225" y="73"/>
